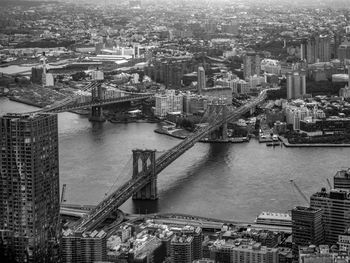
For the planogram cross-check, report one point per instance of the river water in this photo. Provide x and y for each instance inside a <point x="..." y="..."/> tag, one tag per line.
<point x="229" y="181"/>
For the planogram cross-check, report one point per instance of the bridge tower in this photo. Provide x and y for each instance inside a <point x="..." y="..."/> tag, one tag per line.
<point x="217" y="111"/>
<point x="144" y="162"/>
<point x="96" y="111"/>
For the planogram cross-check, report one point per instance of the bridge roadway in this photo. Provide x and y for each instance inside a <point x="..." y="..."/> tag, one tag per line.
<point x="124" y="192"/>
<point x="103" y="102"/>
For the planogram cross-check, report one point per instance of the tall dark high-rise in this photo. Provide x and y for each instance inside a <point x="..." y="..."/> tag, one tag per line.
<point x="336" y="212"/>
<point x="29" y="186"/>
<point x="201" y="79"/>
<point x="306" y="227"/>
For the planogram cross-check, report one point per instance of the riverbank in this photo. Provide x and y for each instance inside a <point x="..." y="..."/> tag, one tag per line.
<point x="287" y="144"/>
<point x="24" y="101"/>
<point x="134" y="121"/>
<point x="205" y="140"/>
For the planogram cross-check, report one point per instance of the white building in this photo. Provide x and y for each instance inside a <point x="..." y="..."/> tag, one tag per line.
<point x="271" y="66"/>
<point x="254" y="81"/>
<point x="168" y="102"/>
<point x="97" y="75"/>
<point x="296" y="114"/>
<point x="49" y="80"/>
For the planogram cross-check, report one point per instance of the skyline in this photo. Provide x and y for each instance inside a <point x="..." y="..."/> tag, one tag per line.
<point x="174" y="132"/>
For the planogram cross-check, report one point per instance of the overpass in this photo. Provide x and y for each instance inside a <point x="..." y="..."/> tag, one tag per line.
<point x="142" y="185"/>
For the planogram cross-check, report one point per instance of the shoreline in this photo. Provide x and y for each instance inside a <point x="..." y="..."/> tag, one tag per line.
<point x="24" y="101"/>
<point x="133" y="121"/>
<point x="291" y="145"/>
<point x="30" y="103"/>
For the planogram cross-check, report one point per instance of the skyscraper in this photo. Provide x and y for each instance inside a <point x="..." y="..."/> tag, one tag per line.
<point x="318" y="49"/>
<point x="181" y="248"/>
<point x="306" y="227"/>
<point x="336" y="212"/>
<point x="201" y="79"/>
<point x="296" y="84"/>
<point x="29" y="186"/>
<point x="251" y="64"/>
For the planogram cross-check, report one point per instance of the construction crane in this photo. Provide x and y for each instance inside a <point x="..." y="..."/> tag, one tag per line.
<point x="63" y="193"/>
<point x="300" y="192"/>
<point x="329" y="184"/>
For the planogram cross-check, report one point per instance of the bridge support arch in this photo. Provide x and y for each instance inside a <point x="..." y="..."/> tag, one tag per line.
<point x="96" y="113"/>
<point x="218" y="110"/>
<point x="144" y="162"/>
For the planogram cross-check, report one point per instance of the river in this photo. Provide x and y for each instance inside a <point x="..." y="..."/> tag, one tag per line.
<point x="229" y="181"/>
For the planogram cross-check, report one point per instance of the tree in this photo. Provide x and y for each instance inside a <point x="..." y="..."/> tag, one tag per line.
<point x="78" y="76"/>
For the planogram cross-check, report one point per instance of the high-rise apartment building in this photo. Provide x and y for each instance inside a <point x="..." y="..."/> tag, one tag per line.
<point x="306" y="227"/>
<point x="296" y="84"/>
<point x="336" y="212"/>
<point x="88" y="247"/>
<point x="181" y="249"/>
<point x="251" y="64"/>
<point x="29" y="200"/>
<point x="201" y="80"/>
<point x="318" y="49"/>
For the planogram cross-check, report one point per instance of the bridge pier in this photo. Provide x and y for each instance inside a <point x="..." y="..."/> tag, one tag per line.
<point x="96" y="114"/>
<point x="219" y="111"/>
<point x="96" y="111"/>
<point x="144" y="162"/>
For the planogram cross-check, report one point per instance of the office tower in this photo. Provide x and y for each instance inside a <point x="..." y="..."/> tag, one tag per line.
<point x="181" y="249"/>
<point x="318" y="49"/>
<point x="306" y="227"/>
<point x="29" y="203"/>
<point x="336" y="212"/>
<point x="296" y="84"/>
<point x="342" y="179"/>
<point x="201" y="79"/>
<point x="251" y="64"/>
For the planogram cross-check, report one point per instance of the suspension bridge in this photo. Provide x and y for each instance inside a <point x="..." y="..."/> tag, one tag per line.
<point x="146" y="165"/>
<point x="98" y="98"/>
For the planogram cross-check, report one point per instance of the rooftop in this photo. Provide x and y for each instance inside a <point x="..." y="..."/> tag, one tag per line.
<point x="343" y="174"/>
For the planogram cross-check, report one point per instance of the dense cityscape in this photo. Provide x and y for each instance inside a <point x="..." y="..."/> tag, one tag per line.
<point x="175" y="131"/>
